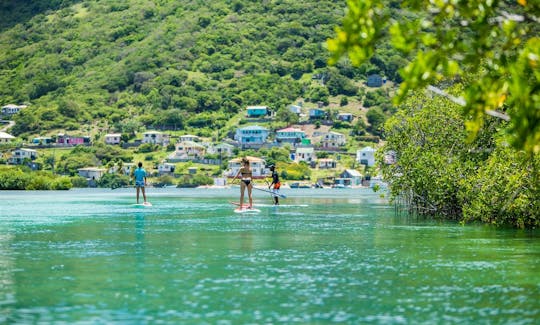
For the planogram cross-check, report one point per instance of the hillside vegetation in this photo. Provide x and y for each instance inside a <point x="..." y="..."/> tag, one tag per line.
<point x="118" y="66"/>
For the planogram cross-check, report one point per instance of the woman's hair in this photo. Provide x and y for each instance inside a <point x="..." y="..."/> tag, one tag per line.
<point x="245" y="161"/>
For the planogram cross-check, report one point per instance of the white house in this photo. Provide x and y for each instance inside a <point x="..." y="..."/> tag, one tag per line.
<point x="11" y="109"/>
<point x="18" y="156"/>
<point x="166" y="168"/>
<point x="222" y="149"/>
<point x="257" y="165"/>
<point x="333" y="139"/>
<point x="156" y="137"/>
<point x="354" y="177"/>
<point x="187" y="150"/>
<point x="295" y="109"/>
<point x="366" y="156"/>
<point x="113" y="138"/>
<point x="326" y="163"/>
<point x="93" y="173"/>
<point x="5" y="137"/>
<point x="306" y="154"/>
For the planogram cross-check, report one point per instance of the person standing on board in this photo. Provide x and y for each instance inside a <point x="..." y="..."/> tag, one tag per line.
<point x="275" y="185"/>
<point x="140" y="181"/>
<point x="245" y="174"/>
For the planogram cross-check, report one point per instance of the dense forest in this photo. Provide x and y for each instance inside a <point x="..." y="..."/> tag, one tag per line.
<point x="120" y="65"/>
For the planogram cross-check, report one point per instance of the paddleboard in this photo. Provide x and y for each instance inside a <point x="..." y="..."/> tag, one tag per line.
<point x="244" y="210"/>
<point x="145" y="204"/>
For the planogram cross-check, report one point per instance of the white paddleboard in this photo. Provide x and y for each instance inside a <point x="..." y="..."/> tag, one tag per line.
<point x="145" y="204"/>
<point x="252" y="210"/>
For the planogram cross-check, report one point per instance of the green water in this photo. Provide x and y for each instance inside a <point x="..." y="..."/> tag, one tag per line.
<point x="324" y="256"/>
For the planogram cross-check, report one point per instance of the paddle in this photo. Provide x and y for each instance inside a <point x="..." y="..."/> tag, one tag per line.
<point x="268" y="191"/>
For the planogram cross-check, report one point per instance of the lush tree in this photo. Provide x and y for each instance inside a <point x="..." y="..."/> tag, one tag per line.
<point x="495" y="42"/>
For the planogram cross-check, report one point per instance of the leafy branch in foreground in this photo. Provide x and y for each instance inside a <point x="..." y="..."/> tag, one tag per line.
<point x="495" y="41"/>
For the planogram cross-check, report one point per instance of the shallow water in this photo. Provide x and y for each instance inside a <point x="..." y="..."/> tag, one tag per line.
<point x="91" y="256"/>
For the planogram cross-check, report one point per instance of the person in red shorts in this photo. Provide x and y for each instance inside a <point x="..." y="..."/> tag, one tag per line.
<point x="275" y="185"/>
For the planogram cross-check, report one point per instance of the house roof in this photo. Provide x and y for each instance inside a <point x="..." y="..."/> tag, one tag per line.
<point x="290" y="130"/>
<point x="353" y="172"/>
<point x="190" y="144"/>
<point x="113" y="135"/>
<point x="92" y="169"/>
<point x="367" y="149"/>
<point x="153" y="132"/>
<point x="253" y="127"/>
<point x="250" y="158"/>
<point x="257" y="107"/>
<point x="305" y="149"/>
<point x="26" y="150"/>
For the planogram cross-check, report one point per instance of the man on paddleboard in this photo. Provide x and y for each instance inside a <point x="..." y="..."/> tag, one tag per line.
<point x="275" y="185"/>
<point x="140" y="181"/>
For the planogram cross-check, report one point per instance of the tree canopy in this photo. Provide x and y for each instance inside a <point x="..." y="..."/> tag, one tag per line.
<point x="492" y="47"/>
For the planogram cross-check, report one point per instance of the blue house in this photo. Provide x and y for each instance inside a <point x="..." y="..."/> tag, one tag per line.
<point x="257" y="111"/>
<point x="251" y="136"/>
<point x="374" y="80"/>
<point x="316" y="113"/>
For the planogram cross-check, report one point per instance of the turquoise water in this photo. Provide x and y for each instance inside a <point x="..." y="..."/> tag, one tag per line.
<point x="324" y="256"/>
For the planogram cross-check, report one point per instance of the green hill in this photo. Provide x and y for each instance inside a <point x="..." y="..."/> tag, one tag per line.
<point x="120" y="65"/>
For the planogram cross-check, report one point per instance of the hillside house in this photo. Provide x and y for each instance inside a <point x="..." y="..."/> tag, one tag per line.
<point x="42" y="140"/>
<point x="290" y="135"/>
<point x="189" y="137"/>
<point x="11" y="109"/>
<point x="366" y="156"/>
<point x="258" y="167"/>
<point x="346" y="117"/>
<point x="353" y="175"/>
<point x="251" y="136"/>
<point x="67" y="140"/>
<point x="113" y="138"/>
<point x="6" y="137"/>
<point x="374" y="80"/>
<point x="326" y="163"/>
<point x="316" y="114"/>
<point x="257" y="111"/>
<point x="295" y="109"/>
<point x="18" y="156"/>
<point x="306" y="154"/>
<point x="333" y="140"/>
<point x="91" y="173"/>
<point x="156" y="137"/>
<point x="166" y="168"/>
<point x="222" y="149"/>
<point x="187" y="150"/>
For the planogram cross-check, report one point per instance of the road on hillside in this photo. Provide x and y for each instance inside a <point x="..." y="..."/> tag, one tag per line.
<point x="10" y="124"/>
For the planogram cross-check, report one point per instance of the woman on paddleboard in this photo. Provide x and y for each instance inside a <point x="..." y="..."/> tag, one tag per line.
<point x="246" y="181"/>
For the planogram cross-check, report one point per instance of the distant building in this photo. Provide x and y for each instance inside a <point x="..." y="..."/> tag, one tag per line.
<point x="156" y="137"/>
<point x="67" y="140"/>
<point x="5" y="137"/>
<point x="257" y="165"/>
<point x="295" y="109"/>
<point x="346" y="117"/>
<point x="11" y="109"/>
<point x="18" y="156"/>
<point x="113" y="138"/>
<point x="166" y="168"/>
<point x="91" y="173"/>
<point x="374" y="80"/>
<point x="290" y="135"/>
<point x="222" y="149"/>
<point x="326" y="163"/>
<point x="306" y="154"/>
<point x="187" y="150"/>
<point x="189" y="137"/>
<point x="251" y="136"/>
<point x="349" y="177"/>
<point x="366" y="156"/>
<point x="42" y="140"/>
<point x="257" y="111"/>
<point x="333" y="140"/>
<point x="316" y="113"/>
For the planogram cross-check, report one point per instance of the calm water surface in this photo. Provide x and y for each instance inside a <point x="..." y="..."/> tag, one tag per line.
<point x="324" y="256"/>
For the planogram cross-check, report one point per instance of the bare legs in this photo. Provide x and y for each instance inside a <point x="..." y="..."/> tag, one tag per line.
<point x="242" y="190"/>
<point x="139" y="188"/>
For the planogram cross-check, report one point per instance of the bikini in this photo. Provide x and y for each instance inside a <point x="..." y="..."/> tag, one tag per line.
<point x="246" y="180"/>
